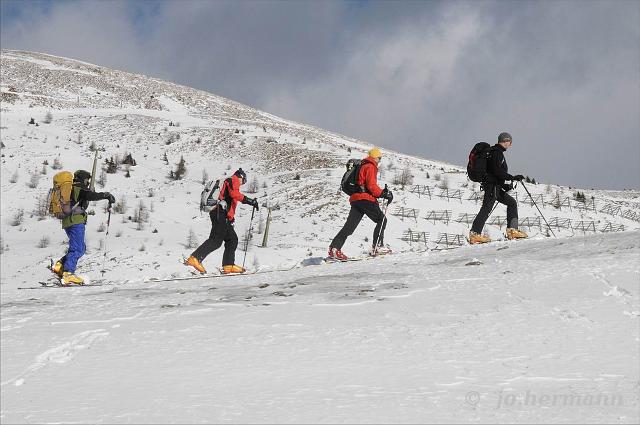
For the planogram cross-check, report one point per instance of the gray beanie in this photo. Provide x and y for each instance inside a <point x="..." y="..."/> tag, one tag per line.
<point x="503" y="137"/>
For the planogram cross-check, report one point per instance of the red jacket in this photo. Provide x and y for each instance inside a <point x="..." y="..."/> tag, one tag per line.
<point x="368" y="177"/>
<point x="231" y="194"/>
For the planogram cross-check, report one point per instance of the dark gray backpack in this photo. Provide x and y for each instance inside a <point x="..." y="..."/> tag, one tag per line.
<point x="348" y="184"/>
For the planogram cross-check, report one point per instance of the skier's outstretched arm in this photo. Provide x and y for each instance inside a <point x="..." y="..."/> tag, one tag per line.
<point x="90" y="195"/>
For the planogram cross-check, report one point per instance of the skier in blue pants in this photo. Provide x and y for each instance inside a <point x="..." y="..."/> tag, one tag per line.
<point x="74" y="225"/>
<point x="77" y="247"/>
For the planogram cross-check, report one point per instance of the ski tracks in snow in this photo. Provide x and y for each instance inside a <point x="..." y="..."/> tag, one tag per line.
<point x="61" y="353"/>
<point x="621" y="294"/>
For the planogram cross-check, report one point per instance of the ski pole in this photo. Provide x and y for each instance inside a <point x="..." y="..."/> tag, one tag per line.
<point x="104" y="258"/>
<point x="495" y="204"/>
<point x="246" y="242"/>
<point x="534" y="203"/>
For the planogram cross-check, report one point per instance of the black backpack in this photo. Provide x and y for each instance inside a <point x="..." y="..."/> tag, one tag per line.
<point x="348" y="184"/>
<point x="477" y="165"/>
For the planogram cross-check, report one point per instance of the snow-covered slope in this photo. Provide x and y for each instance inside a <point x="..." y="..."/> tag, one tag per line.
<point x="315" y="344"/>
<point x="294" y="168"/>
<point x="529" y="332"/>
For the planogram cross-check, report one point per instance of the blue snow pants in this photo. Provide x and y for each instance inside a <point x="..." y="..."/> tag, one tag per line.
<point x="77" y="247"/>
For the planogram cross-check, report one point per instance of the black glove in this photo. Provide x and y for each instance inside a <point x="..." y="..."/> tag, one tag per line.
<point x="252" y="201"/>
<point x="109" y="197"/>
<point x="519" y="177"/>
<point x="386" y="194"/>
<point x="507" y="187"/>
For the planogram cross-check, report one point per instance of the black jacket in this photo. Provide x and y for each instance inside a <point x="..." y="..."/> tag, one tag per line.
<point x="84" y="195"/>
<point x="497" y="168"/>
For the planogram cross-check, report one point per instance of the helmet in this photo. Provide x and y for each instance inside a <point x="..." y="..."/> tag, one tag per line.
<point x="240" y="173"/>
<point x="504" y="137"/>
<point x="83" y="177"/>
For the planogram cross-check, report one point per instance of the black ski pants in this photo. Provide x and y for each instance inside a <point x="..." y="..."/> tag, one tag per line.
<point x="493" y="193"/>
<point x="358" y="210"/>
<point x="221" y="231"/>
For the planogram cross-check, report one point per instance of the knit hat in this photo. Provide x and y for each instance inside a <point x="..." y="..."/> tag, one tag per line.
<point x="375" y="153"/>
<point x="240" y="173"/>
<point x="504" y="137"/>
<point x="83" y="177"/>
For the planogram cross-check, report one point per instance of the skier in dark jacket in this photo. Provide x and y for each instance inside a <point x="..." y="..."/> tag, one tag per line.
<point x="74" y="225"/>
<point x="365" y="202"/>
<point x="495" y="189"/>
<point x="222" y="219"/>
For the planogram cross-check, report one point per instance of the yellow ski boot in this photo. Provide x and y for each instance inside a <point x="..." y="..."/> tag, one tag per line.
<point x="477" y="238"/>
<point x="193" y="262"/>
<point x="57" y="269"/>
<point x="516" y="234"/>
<point x="69" y="278"/>
<point x="228" y="269"/>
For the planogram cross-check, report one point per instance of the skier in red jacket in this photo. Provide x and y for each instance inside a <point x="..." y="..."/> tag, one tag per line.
<point x="364" y="202"/>
<point x="222" y="220"/>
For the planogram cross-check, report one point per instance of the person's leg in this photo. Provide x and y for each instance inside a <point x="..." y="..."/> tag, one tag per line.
<point x="216" y="236"/>
<point x="230" y="246"/>
<point x="354" y="218"/>
<point x="76" y="249"/>
<point x="485" y="210"/>
<point x="512" y="208"/>
<point x="373" y="211"/>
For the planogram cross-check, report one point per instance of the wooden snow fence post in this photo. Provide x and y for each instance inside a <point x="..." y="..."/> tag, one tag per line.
<point x="266" y="229"/>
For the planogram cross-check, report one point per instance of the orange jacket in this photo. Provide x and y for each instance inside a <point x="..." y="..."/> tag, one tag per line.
<point x="231" y="194"/>
<point x="368" y="177"/>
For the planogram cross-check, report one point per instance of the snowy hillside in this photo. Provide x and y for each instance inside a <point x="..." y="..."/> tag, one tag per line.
<point x="304" y="342"/>
<point x="293" y="168"/>
<point x="512" y="332"/>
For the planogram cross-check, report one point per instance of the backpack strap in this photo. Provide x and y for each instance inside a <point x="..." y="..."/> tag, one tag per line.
<point x="489" y="153"/>
<point x="361" y="187"/>
<point x="224" y="191"/>
<point x="76" y="208"/>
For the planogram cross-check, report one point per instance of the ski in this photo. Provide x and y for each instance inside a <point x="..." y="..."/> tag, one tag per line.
<point x="180" y="278"/>
<point x="215" y="275"/>
<point x="48" y="285"/>
<point x="370" y="256"/>
<point x="198" y="275"/>
<point x="502" y="239"/>
<point x="330" y="260"/>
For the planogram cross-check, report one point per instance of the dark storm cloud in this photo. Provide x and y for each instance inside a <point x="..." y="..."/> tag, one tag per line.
<point x="243" y="50"/>
<point x="427" y="78"/>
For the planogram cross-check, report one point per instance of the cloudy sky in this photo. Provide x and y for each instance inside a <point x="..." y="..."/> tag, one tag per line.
<point x="423" y="77"/>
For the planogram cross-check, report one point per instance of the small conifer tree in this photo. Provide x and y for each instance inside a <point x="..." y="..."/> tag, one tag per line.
<point x="181" y="169"/>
